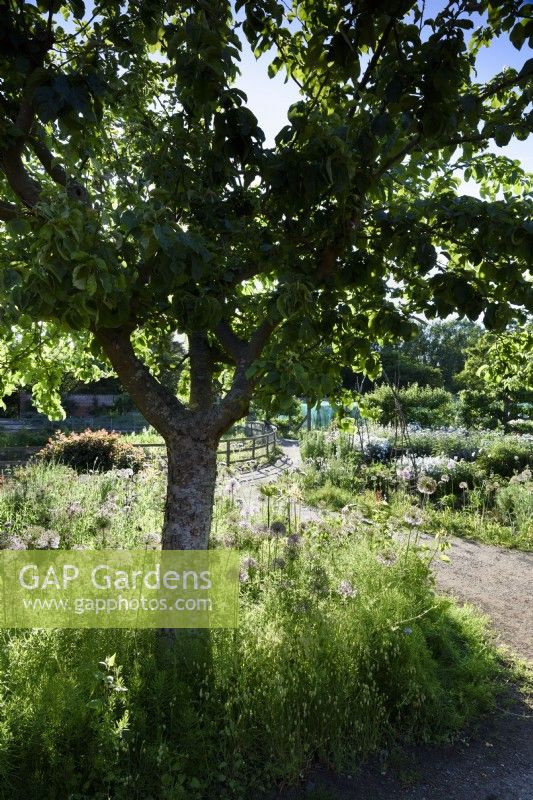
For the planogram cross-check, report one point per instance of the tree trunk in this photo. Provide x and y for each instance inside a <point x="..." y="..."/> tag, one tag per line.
<point x="191" y="481"/>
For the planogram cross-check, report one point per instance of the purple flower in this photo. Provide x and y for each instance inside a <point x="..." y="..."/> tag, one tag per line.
<point x="74" y="508"/>
<point x="278" y="528"/>
<point x="49" y="540"/>
<point x="16" y="543"/>
<point x="346" y="590"/>
<point x="248" y="563"/>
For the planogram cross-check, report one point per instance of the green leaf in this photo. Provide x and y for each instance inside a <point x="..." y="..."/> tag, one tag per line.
<point x="527" y="69"/>
<point x="518" y="36"/>
<point x="502" y="135"/>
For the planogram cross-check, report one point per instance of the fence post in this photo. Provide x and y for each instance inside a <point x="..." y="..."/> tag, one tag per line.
<point x="228" y="453"/>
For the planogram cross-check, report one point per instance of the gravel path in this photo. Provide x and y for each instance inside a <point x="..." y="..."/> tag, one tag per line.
<point x="500" y="583"/>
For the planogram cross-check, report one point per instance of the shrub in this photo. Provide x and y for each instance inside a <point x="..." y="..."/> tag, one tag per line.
<point x="426" y="406"/>
<point x="514" y="505"/>
<point x="92" y="450"/>
<point x="459" y="443"/>
<point x="521" y="425"/>
<point x="507" y="456"/>
<point x="328" y="496"/>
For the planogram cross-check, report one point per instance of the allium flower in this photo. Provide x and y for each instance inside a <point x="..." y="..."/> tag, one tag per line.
<point x="444" y="478"/>
<point x="294" y="540"/>
<point x="74" y="508"/>
<point x="451" y="464"/>
<point x="248" y="563"/>
<point x="49" y="540"/>
<point x="426" y="485"/>
<point x="261" y="530"/>
<point x="229" y="540"/>
<point x="109" y="505"/>
<point x="407" y="631"/>
<point x="231" y="485"/>
<point x="278" y="528"/>
<point x="404" y="473"/>
<point x="413" y="518"/>
<point x="243" y="576"/>
<point x="463" y="485"/>
<point x="16" y="543"/>
<point x="103" y="521"/>
<point x="278" y="563"/>
<point x="387" y="559"/>
<point x="152" y="541"/>
<point x="346" y="590"/>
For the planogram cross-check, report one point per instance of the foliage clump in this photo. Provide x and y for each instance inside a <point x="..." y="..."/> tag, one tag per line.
<point x="92" y="450"/>
<point x="423" y="405"/>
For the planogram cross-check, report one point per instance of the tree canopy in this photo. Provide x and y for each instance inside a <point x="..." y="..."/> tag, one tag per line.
<point x="140" y="199"/>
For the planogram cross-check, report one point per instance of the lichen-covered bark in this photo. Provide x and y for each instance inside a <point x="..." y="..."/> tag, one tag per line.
<point x="190" y="492"/>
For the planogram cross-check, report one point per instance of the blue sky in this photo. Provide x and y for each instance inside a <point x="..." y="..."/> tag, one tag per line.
<point x="270" y="99"/>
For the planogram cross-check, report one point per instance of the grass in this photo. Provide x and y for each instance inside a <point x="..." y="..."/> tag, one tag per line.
<point x="343" y="647"/>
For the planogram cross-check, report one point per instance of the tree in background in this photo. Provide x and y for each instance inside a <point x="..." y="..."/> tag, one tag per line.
<point x="422" y="405"/>
<point x="140" y="201"/>
<point x="440" y="345"/>
<point x="496" y="383"/>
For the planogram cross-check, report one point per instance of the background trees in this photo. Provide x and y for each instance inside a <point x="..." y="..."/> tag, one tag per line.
<point x="140" y="200"/>
<point x="495" y="384"/>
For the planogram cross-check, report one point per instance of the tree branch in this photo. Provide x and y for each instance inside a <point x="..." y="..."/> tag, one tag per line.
<point x="505" y="83"/>
<point x="236" y="402"/>
<point x="229" y="340"/>
<point x="74" y="189"/>
<point x="361" y="86"/>
<point x="201" y="359"/>
<point x="17" y="176"/>
<point x="157" y="403"/>
<point x="409" y="147"/>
